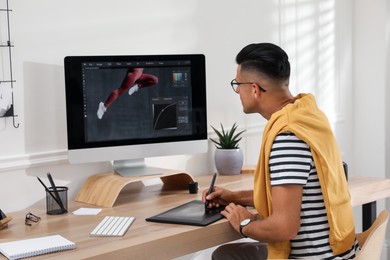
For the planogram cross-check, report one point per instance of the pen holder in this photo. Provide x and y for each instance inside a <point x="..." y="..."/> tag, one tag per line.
<point x="57" y="200"/>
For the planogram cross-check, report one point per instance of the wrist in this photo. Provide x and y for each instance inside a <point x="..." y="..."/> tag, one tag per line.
<point x="243" y="224"/>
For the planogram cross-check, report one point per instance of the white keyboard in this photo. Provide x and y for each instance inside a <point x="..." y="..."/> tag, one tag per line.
<point x="112" y="226"/>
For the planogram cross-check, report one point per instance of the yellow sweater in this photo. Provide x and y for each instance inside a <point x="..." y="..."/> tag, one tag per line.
<point x="308" y="123"/>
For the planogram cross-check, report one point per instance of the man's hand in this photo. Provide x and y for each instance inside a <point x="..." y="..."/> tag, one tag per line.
<point x="219" y="197"/>
<point x="235" y="214"/>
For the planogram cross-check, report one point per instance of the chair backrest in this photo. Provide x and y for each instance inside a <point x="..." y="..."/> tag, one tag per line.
<point x="371" y="240"/>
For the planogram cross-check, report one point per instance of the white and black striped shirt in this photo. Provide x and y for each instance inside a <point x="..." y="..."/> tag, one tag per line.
<point x="291" y="163"/>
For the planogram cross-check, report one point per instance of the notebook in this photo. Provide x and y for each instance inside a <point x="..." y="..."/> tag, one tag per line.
<point x="191" y="213"/>
<point x="112" y="226"/>
<point x="35" y="246"/>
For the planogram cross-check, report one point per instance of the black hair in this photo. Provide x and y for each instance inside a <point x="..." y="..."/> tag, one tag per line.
<point x="265" y="58"/>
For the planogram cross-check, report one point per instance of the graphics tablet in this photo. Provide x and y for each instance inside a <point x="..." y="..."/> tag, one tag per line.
<point x="191" y="213"/>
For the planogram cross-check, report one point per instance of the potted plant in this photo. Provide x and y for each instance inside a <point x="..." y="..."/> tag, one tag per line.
<point x="228" y="155"/>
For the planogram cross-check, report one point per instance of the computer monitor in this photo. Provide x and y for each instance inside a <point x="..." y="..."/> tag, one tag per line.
<point x="126" y="108"/>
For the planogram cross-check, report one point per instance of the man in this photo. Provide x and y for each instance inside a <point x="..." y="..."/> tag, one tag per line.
<point x="300" y="190"/>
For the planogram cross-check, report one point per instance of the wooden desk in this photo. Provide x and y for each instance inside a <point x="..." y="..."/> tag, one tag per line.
<point x="366" y="191"/>
<point x="148" y="240"/>
<point x="144" y="240"/>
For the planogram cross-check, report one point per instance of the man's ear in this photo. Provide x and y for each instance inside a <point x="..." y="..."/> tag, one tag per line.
<point x="256" y="90"/>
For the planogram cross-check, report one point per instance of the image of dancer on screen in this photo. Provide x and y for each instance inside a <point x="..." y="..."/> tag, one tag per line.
<point x="134" y="80"/>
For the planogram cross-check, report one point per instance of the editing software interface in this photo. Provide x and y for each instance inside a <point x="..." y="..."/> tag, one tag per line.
<point x="136" y="100"/>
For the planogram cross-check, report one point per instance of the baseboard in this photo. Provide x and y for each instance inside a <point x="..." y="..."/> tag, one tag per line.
<point x="21" y="162"/>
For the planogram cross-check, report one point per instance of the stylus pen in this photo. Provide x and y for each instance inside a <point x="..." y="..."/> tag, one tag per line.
<point x="210" y="190"/>
<point x="59" y="201"/>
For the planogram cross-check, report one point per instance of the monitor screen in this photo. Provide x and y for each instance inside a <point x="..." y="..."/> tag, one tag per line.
<point x="123" y="108"/>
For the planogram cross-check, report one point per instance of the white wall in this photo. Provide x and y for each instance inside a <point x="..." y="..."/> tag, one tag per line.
<point x="331" y="50"/>
<point x="44" y="32"/>
<point x="370" y="87"/>
<point x="371" y="91"/>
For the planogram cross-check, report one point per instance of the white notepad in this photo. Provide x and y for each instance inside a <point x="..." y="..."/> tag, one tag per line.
<point x="35" y="246"/>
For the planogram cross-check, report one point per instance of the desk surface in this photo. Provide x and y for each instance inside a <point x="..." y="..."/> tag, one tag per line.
<point x="145" y="240"/>
<point x="368" y="189"/>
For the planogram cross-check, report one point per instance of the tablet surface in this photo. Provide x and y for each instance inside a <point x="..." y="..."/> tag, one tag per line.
<point x="191" y="213"/>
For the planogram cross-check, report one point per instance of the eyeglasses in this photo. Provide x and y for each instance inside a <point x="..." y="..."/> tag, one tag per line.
<point x="31" y="218"/>
<point x="235" y="85"/>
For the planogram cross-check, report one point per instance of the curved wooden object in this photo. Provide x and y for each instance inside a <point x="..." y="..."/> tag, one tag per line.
<point x="103" y="189"/>
<point x="4" y="222"/>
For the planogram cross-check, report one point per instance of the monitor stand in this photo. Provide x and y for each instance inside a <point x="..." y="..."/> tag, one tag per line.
<point x="137" y="167"/>
<point x="103" y="189"/>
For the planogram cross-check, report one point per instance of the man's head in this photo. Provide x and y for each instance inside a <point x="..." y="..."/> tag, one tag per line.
<point x="262" y="79"/>
<point x="265" y="58"/>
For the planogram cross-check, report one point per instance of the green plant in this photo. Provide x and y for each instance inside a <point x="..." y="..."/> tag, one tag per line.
<point x="227" y="139"/>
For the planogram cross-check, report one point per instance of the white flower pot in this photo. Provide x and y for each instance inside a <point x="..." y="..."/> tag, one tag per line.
<point x="229" y="161"/>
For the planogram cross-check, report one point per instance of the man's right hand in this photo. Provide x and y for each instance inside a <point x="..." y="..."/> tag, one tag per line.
<point x="219" y="197"/>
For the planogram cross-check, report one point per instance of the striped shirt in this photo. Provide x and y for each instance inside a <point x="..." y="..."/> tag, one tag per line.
<point x="291" y="163"/>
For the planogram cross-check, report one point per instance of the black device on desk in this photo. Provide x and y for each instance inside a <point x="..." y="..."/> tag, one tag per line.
<point x="191" y="213"/>
<point x="194" y="212"/>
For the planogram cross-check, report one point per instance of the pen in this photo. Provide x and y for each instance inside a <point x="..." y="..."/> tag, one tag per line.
<point x="59" y="201"/>
<point x="211" y="189"/>
<point x="49" y="191"/>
